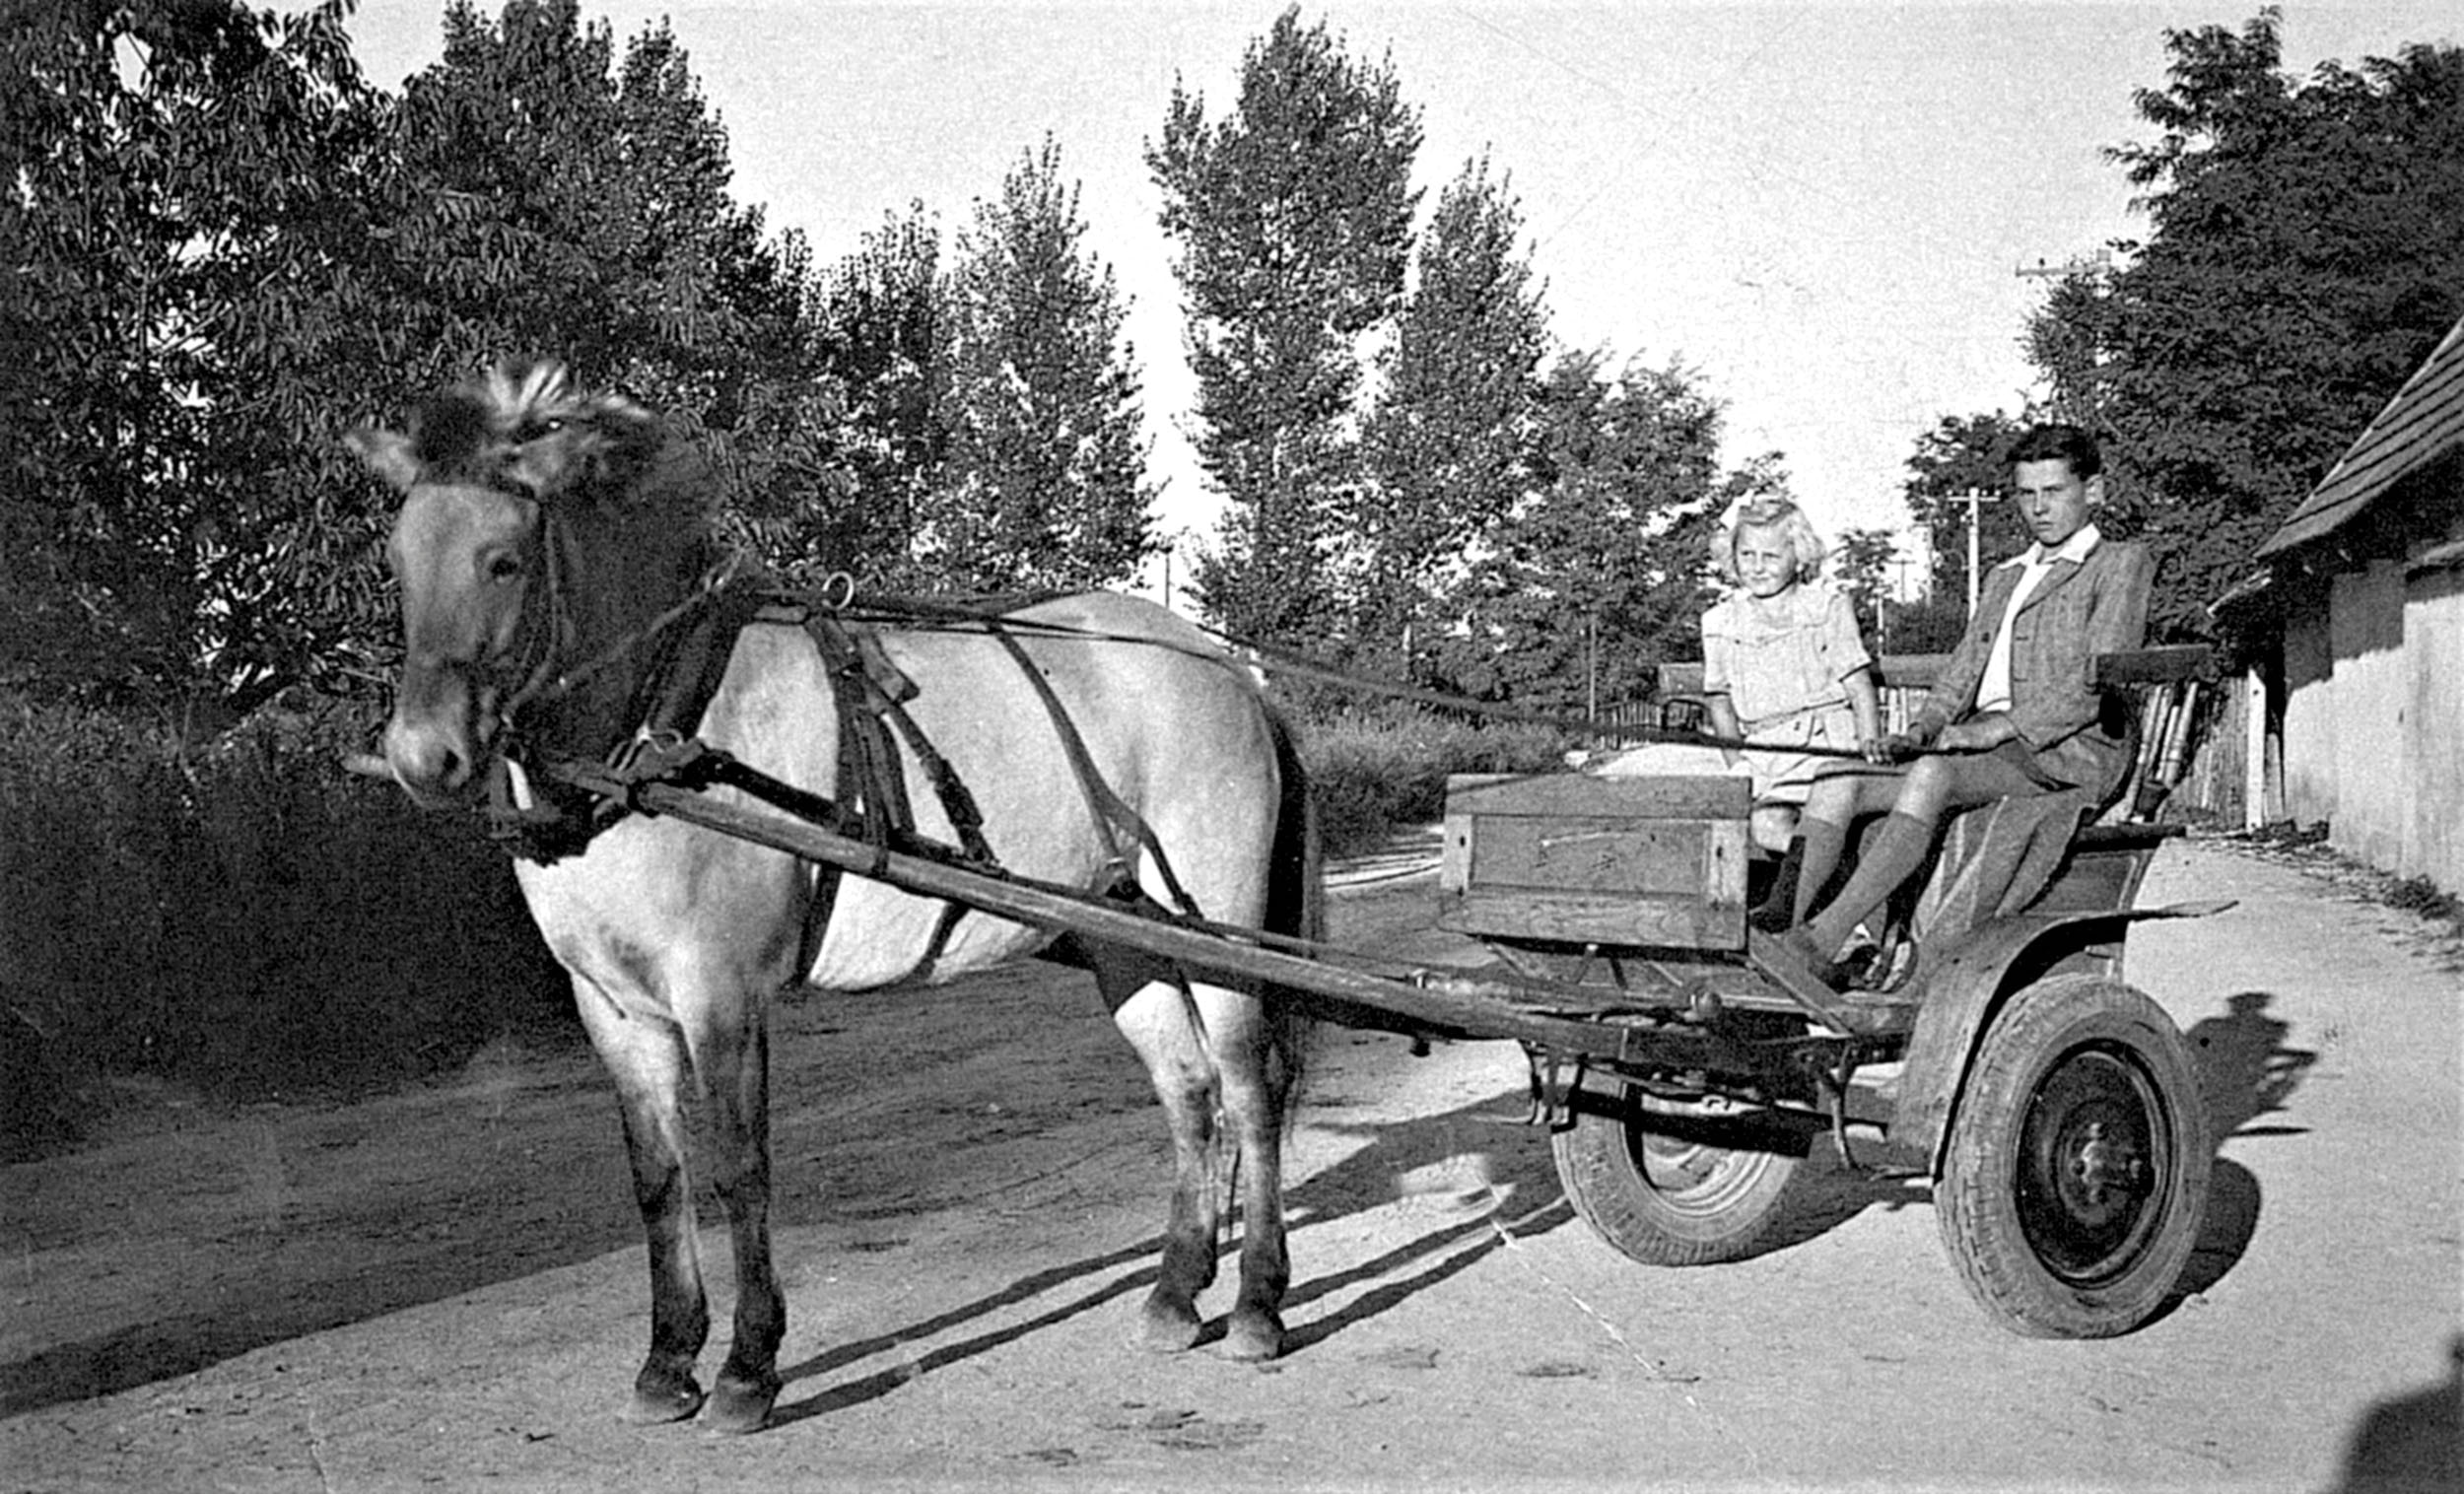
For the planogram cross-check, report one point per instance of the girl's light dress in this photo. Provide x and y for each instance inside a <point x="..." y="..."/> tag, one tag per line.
<point x="1781" y="662"/>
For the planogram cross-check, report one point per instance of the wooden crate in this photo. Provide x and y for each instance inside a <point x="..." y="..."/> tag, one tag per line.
<point x="1583" y="859"/>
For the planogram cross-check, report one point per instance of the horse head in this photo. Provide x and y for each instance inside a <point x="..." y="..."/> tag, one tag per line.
<point x="537" y="523"/>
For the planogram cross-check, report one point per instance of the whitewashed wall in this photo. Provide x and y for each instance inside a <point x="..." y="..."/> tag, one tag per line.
<point x="2373" y="736"/>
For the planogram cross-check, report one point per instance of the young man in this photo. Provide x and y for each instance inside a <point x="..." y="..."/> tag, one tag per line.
<point x="2013" y="712"/>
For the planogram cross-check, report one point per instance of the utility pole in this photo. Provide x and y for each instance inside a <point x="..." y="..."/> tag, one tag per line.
<point x="1972" y="497"/>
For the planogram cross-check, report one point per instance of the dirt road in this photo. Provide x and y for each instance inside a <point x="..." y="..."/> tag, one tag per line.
<point x="445" y="1289"/>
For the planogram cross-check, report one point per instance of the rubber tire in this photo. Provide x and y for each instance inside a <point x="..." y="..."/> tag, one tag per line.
<point x="2049" y="1262"/>
<point x="1663" y="1202"/>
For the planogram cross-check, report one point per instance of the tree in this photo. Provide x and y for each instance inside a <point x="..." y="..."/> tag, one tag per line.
<point x="234" y="247"/>
<point x="1448" y="447"/>
<point x="1962" y="454"/>
<point x="1597" y="575"/>
<point x="885" y="341"/>
<point x="190" y="201"/>
<point x="1045" y="473"/>
<point x="584" y="212"/>
<point x="1293" y="218"/>
<point x="1861" y="567"/>
<point x="2305" y="253"/>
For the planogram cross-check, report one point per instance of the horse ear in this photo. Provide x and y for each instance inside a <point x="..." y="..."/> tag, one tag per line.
<point x="388" y="453"/>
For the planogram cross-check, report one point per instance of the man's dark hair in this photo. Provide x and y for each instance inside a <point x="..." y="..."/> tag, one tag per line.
<point x="2058" y="442"/>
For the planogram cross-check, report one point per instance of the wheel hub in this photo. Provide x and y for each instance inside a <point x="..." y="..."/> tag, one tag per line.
<point x="2088" y="1166"/>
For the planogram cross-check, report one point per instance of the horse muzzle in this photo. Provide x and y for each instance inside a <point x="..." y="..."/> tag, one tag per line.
<point x="438" y="755"/>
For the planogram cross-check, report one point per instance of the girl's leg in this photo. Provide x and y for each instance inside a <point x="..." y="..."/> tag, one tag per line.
<point x="1834" y="805"/>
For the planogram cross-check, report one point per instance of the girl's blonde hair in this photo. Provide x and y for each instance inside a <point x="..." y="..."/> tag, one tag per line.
<point x="1769" y="514"/>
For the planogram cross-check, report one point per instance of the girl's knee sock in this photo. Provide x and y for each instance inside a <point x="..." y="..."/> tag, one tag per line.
<point x="1889" y="857"/>
<point x="1818" y="843"/>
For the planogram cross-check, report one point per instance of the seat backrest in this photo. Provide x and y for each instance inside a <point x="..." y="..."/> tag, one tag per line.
<point x="2171" y="685"/>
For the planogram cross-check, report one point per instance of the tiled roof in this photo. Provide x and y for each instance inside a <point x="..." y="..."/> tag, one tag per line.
<point x="2424" y="420"/>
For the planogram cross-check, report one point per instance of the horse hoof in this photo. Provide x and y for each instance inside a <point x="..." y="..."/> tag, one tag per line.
<point x="1254" y="1338"/>
<point x="735" y="1410"/>
<point x="1168" y="1329"/>
<point x="656" y="1406"/>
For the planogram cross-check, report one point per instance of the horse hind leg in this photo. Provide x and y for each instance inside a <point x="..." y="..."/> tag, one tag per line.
<point x="1256" y="1063"/>
<point x="1157" y="1017"/>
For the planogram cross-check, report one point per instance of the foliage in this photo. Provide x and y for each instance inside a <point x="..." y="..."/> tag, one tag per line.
<point x="1293" y="217"/>
<point x="563" y="200"/>
<point x="1964" y="454"/>
<point x="1596" y="576"/>
<point x="1378" y="768"/>
<point x="1860" y="567"/>
<point x="234" y="247"/>
<point x="195" y="190"/>
<point x="1448" y="447"/>
<point x="235" y="913"/>
<point x="2305" y="252"/>
<point x="883" y="336"/>
<point x="1045" y="482"/>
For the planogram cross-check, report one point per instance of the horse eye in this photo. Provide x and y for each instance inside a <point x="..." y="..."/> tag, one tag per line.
<point x="505" y="568"/>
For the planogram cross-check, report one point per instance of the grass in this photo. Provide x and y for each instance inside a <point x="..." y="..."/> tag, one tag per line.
<point x="1379" y="767"/>
<point x="237" y="916"/>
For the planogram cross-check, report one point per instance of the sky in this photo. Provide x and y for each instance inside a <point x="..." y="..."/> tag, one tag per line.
<point x="1828" y="213"/>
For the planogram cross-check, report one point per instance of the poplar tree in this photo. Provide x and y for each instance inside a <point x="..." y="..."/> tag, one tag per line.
<point x="1044" y="482"/>
<point x="1293" y="216"/>
<point x="1448" y="448"/>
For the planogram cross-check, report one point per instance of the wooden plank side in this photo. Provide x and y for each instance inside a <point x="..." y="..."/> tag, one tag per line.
<point x="1668" y="921"/>
<point x="1707" y="797"/>
<point x="1589" y="854"/>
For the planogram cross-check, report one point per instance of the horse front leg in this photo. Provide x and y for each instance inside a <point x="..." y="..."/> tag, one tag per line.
<point x="1157" y="1019"/>
<point x="735" y="1068"/>
<point x="645" y="1058"/>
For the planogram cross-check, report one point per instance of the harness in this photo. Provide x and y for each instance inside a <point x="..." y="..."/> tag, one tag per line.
<point x="544" y="804"/>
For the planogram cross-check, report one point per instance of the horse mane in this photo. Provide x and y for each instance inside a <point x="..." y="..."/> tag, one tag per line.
<point x="530" y="427"/>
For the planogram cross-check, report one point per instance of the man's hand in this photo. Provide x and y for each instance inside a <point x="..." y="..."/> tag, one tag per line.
<point x="1983" y="734"/>
<point x="1897" y="747"/>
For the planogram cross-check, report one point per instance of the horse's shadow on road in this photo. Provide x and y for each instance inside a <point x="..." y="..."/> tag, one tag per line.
<point x="1483" y="1182"/>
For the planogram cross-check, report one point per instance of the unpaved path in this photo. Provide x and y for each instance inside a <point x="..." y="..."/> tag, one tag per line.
<point x="445" y="1289"/>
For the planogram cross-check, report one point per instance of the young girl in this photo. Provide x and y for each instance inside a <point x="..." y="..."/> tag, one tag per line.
<point x="1783" y="666"/>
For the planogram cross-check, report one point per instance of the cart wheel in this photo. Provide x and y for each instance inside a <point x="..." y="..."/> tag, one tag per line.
<point x="1669" y="1201"/>
<point x="2077" y="1162"/>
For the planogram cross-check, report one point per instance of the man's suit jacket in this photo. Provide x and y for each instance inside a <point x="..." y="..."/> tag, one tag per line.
<point x="2080" y="609"/>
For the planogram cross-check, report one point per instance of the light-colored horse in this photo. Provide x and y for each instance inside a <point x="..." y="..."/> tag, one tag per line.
<point x="541" y="528"/>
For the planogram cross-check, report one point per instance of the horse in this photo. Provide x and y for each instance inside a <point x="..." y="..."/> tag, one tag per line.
<point x="547" y="537"/>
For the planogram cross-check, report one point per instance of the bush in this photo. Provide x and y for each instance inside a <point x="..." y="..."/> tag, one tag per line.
<point x="242" y="916"/>
<point x="1379" y="768"/>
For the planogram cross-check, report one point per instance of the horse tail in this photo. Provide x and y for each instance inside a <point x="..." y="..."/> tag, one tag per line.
<point x="1295" y="904"/>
